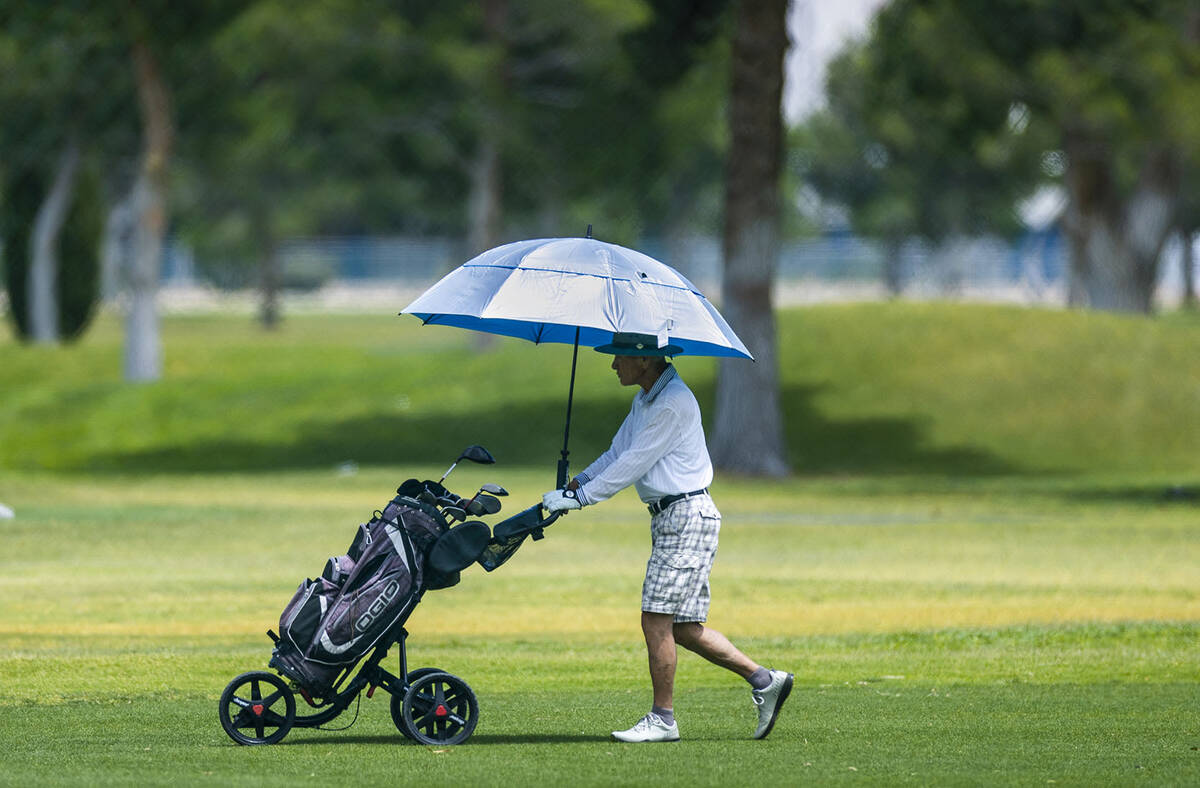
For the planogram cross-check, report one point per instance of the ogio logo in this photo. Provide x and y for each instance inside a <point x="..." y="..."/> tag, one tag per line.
<point x="377" y="607"/>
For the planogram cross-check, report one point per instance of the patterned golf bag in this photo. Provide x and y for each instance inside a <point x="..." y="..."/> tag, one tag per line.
<point x="334" y="620"/>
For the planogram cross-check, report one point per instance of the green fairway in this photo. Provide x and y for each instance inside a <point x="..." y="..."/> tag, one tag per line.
<point x="984" y="570"/>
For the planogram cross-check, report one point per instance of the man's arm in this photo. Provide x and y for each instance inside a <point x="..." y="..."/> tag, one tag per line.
<point x="600" y="464"/>
<point x="644" y="449"/>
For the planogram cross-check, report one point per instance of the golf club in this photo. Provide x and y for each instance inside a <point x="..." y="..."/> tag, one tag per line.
<point x="474" y="453"/>
<point x="482" y="504"/>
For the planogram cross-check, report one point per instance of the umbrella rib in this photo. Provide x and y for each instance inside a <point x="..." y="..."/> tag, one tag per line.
<point x="584" y="273"/>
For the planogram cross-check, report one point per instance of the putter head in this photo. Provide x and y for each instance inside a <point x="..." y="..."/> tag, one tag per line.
<point x="494" y="489"/>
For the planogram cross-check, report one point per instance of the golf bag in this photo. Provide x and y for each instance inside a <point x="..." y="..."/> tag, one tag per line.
<point x="333" y="620"/>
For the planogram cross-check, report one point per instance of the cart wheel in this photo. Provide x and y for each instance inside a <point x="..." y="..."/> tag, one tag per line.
<point x="440" y="709"/>
<point x="413" y="675"/>
<point x="252" y="713"/>
<point x="398" y="699"/>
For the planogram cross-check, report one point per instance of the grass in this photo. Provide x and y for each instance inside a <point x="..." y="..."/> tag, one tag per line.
<point x="983" y="572"/>
<point x="898" y="389"/>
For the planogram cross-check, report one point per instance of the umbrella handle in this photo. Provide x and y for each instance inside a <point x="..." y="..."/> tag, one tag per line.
<point x="564" y="473"/>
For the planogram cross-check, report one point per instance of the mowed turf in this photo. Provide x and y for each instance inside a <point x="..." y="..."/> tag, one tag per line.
<point x="960" y="602"/>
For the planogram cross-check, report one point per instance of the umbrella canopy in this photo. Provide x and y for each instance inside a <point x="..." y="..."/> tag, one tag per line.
<point x="577" y="290"/>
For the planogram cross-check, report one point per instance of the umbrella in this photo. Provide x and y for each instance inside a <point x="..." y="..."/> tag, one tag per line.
<point x="578" y="291"/>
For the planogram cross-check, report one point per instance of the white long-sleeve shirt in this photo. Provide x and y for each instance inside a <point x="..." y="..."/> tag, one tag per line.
<point x="659" y="448"/>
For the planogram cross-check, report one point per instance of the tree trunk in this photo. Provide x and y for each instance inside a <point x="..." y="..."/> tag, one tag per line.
<point x="485" y="203"/>
<point x="42" y="292"/>
<point x="114" y="258"/>
<point x="484" y="200"/>
<point x="143" y="345"/>
<point x="893" y="265"/>
<point x="1116" y="239"/>
<point x="1189" y="270"/>
<point x="269" y="271"/>
<point x="748" y="427"/>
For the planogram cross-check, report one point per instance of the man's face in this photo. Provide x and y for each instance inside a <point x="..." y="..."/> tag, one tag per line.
<point x="629" y="369"/>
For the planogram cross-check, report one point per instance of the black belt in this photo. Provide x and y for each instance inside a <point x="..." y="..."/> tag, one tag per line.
<point x="667" y="500"/>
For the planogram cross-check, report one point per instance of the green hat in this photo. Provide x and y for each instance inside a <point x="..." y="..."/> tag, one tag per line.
<point x="638" y="345"/>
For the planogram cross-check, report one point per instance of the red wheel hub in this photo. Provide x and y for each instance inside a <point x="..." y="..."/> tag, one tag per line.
<point x="441" y="711"/>
<point x="257" y="708"/>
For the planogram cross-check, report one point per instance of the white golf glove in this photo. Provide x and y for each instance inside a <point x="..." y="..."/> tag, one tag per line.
<point x="560" y="500"/>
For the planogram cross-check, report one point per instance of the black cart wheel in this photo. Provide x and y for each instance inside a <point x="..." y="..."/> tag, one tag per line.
<point x="440" y="709"/>
<point x="257" y="708"/>
<point x="413" y="675"/>
<point x="397" y="705"/>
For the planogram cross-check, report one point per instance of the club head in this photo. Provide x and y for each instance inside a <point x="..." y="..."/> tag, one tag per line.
<point x="494" y="489"/>
<point x="483" y="505"/>
<point x="477" y="454"/>
<point x="454" y="513"/>
<point x="490" y="504"/>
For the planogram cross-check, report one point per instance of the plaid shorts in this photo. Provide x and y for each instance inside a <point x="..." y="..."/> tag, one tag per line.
<point x="684" y="540"/>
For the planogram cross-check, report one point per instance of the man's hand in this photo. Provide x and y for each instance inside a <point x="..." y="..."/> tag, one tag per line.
<point x="560" y="500"/>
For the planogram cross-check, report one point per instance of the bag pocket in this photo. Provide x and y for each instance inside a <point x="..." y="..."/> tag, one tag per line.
<point x="337" y="569"/>
<point x="302" y="617"/>
<point x="362" y="540"/>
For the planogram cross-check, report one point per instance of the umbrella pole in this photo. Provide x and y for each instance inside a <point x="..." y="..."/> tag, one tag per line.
<point x="563" y="464"/>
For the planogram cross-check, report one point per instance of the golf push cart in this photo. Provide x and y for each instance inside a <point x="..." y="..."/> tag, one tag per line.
<point x="338" y="628"/>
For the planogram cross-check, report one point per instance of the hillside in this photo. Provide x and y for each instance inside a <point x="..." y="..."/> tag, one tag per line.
<point x="869" y="389"/>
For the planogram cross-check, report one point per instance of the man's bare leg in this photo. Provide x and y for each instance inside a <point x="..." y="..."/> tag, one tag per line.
<point x="771" y="688"/>
<point x="659" y="724"/>
<point x="660" y="647"/>
<point x="713" y="646"/>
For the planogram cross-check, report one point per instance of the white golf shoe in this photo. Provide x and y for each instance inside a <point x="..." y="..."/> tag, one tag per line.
<point x="769" y="701"/>
<point x="649" y="728"/>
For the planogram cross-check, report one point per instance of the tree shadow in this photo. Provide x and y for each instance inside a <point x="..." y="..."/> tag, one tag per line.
<point x="821" y="445"/>
<point x="1146" y="494"/>
<point x="530" y="433"/>
<point x="874" y="445"/>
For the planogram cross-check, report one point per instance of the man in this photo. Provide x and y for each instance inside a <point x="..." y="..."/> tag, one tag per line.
<point x="660" y="449"/>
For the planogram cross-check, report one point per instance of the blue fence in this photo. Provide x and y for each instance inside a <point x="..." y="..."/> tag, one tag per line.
<point x="1036" y="260"/>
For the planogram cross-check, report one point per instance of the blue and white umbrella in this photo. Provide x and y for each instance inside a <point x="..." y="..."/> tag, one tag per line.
<point x="546" y="289"/>
<point x="577" y="291"/>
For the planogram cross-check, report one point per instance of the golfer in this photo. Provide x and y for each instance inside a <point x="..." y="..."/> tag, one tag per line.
<point x="660" y="449"/>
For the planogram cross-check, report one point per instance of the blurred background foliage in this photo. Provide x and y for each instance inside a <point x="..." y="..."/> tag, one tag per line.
<point x="492" y="120"/>
<point x="354" y="116"/>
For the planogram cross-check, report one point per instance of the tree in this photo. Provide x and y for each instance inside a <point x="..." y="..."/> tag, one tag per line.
<point x="161" y="41"/>
<point x="748" y="428"/>
<point x="477" y="120"/>
<point x="143" y="345"/>
<point x="291" y="132"/>
<point x="1110" y="85"/>
<point x="55" y="64"/>
<point x="900" y="168"/>
<point x="1188" y="212"/>
<point x="75" y="261"/>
